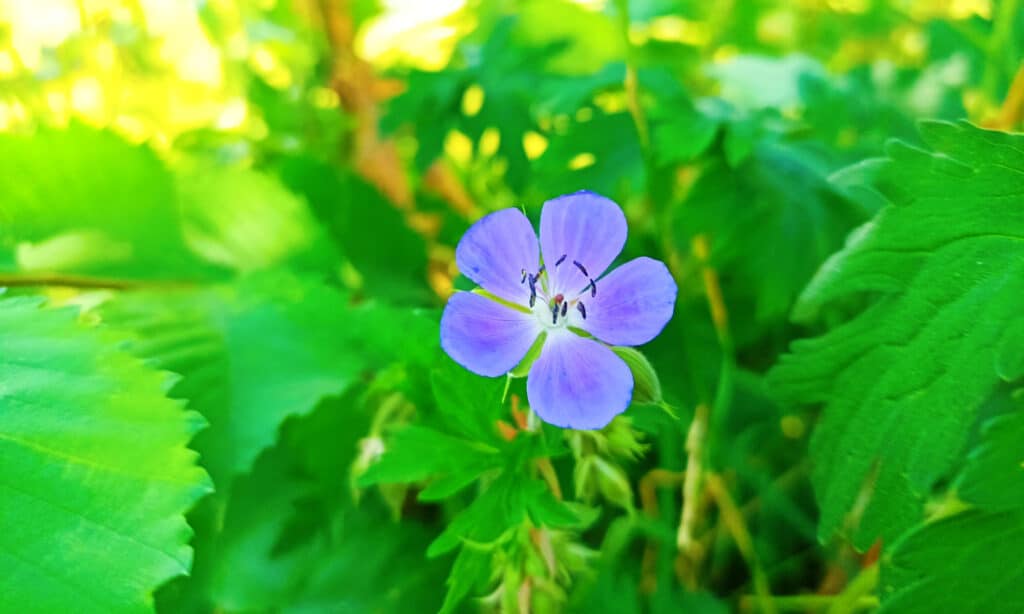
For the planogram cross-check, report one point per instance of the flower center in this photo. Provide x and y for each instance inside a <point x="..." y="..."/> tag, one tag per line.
<point x="553" y="311"/>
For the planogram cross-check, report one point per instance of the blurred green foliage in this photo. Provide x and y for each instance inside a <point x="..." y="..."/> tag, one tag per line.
<point x="252" y="207"/>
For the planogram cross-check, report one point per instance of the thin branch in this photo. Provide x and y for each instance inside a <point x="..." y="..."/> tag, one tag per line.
<point x="60" y="280"/>
<point x="737" y="527"/>
<point x="803" y="603"/>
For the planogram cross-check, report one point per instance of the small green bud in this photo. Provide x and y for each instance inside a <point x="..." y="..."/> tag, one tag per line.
<point x="646" y="385"/>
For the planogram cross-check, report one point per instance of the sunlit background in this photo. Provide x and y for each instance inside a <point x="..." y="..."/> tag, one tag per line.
<point x="290" y="179"/>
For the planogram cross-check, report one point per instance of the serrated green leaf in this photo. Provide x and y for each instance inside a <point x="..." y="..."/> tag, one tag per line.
<point x="994" y="476"/>
<point x="901" y="381"/>
<point x="468" y="404"/>
<point x="255" y="352"/>
<point x="97" y="473"/>
<point x="470" y="572"/>
<point x="501" y="506"/>
<point x="970" y="562"/>
<point x="417" y="453"/>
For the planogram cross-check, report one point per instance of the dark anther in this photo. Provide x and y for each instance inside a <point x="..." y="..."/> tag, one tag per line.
<point x="560" y="260"/>
<point x="582" y="310"/>
<point x="565" y="307"/>
<point x="523" y="280"/>
<point x="554" y="314"/>
<point x="580" y="267"/>
<point x="533" y="300"/>
<point x="593" y="289"/>
<point x="533" y="290"/>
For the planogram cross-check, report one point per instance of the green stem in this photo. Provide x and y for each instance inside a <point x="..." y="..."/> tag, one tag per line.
<point x="803" y="603"/>
<point x="30" y="280"/>
<point x="859" y="588"/>
<point x="1002" y="33"/>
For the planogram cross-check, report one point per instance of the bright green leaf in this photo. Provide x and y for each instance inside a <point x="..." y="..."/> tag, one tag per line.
<point x="97" y="475"/>
<point x="970" y="562"/>
<point x="901" y="381"/>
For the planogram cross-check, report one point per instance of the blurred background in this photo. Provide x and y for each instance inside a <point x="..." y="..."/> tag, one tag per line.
<point x="245" y="147"/>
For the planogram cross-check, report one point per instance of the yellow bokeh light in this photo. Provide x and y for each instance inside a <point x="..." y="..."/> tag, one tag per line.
<point x="324" y="98"/>
<point x="534" y="144"/>
<point x="582" y="161"/>
<point x="472" y="100"/>
<point x="490" y="141"/>
<point x="7" y="64"/>
<point x="459" y="147"/>
<point x="676" y="29"/>
<point x="414" y="33"/>
<point x="233" y="115"/>
<point x="792" y="426"/>
<point x="87" y="97"/>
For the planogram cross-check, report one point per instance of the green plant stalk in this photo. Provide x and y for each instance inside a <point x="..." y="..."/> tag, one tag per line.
<point x="859" y="588"/>
<point x="1002" y="31"/>
<point x="804" y="603"/>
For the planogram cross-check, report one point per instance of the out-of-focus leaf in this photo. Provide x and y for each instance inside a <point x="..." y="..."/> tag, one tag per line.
<point x="470" y="573"/>
<point x="416" y="453"/>
<point x="97" y="475"/>
<point x="902" y="381"/>
<point x="85" y="201"/>
<point x="390" y="257"/>
<point x="256" y="352"/>
<point x="600" y="154"/>
<point x="683" y="136"/>
<point x="292" y="540"/>
<point x="770" y="222"/>
<point x="245" y="220"/>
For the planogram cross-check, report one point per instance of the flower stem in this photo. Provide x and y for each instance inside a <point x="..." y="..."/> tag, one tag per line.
<point x="737" y="527"/>
<point x="83" y="282"/>
<point x="696" y="437"/>
<point x="547" y="471"/>
<point x="803" y="603"/>
<point x="858" y="589"/>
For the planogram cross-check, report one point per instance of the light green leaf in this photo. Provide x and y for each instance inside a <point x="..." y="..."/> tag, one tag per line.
<point x="86" y="201"/>
<point x="500" y="507"/>
<point x="943" y="267"/>
<point x="646" y="385"/>
<point x="258" y="351"/>
<point x="970" y="562"/>
<point x="97" y="475"/>
<point x="994" y="476"/>
<point x="244" y="220"/>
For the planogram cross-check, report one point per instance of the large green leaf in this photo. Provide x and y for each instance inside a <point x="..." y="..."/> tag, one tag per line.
<point x="943" y="268"/>
<point x="971" y="562"/>
<point x="963" y="563"/>
<point x="994" y="475"/>
<point x="245" y="220"/>
<point x="257" y="351"/>
<point x="86" y="201"/>
<point x="97" y="475"/>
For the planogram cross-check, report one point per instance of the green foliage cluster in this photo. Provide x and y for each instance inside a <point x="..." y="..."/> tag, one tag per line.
<point x="221" y="386"/>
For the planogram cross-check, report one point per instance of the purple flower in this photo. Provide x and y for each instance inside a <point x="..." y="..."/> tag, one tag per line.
<point x="576" y="381"/>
